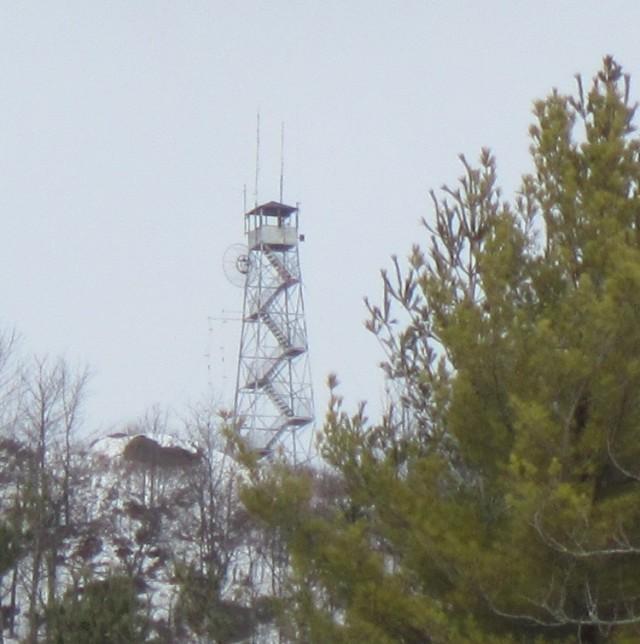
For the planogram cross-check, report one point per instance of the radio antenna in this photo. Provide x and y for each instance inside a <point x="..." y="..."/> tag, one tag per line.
<point x="281" y="160"/>
<point x="255" y="193"/>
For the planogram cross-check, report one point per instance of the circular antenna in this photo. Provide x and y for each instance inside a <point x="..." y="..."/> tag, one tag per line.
<point x="235" y="264"/>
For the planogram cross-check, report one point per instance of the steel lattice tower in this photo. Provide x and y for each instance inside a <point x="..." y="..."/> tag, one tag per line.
<point x="273" y="399"/>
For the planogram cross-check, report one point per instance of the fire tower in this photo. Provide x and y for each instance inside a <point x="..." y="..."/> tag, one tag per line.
<point x="273" y="399"/>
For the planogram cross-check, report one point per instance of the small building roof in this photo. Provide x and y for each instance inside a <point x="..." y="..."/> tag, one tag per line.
<point x="273" y="209"/>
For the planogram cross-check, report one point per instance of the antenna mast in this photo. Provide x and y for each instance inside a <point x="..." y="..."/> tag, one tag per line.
<point x="281" y="161"/>
<point x="255" y="193"/>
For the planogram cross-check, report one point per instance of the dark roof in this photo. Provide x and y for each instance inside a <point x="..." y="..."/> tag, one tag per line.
<point x="273" y="209"/>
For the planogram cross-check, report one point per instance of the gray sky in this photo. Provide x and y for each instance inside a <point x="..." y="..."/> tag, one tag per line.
<point x="127" y="132"/>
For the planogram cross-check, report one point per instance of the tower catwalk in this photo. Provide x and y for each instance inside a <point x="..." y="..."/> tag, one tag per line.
<point x="273" y="398"/>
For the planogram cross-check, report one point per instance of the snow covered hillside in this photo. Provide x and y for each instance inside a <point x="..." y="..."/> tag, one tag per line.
<point x="161" y="512"/>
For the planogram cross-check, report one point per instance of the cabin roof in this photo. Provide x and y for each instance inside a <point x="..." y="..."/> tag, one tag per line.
<point x="273" y="209"/>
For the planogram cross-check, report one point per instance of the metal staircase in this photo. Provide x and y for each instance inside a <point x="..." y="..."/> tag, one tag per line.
<point x="278" y="333"/>
<point x="279" y="267"/>
<point x="278" y="401"/>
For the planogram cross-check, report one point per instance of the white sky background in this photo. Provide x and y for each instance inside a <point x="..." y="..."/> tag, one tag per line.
<point x="127" y="132"/>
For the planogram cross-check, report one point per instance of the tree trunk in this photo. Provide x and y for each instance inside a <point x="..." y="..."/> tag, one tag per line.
<point x="33" y="593"/>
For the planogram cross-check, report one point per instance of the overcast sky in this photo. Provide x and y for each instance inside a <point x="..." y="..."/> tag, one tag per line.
<point x="127" y="132"/>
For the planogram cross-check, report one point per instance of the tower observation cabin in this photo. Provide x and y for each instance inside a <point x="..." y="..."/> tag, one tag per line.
<point x="272" y="224"/>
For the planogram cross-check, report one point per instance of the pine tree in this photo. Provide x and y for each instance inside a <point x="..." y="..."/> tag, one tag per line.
<point x="103" y="612"/>
<point x="499" y="498"/>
